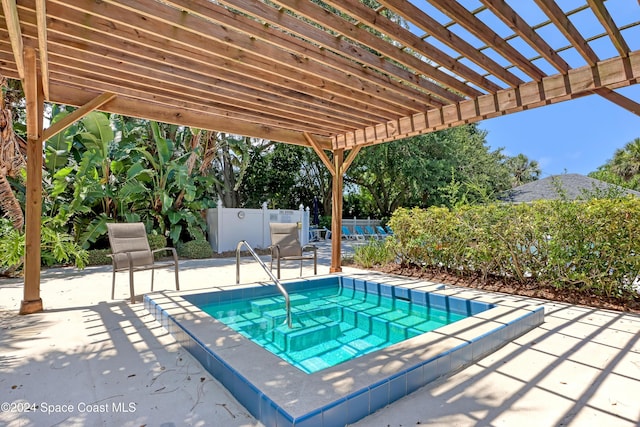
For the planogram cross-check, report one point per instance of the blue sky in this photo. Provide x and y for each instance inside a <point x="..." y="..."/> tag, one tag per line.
<point x="574" y="136"/>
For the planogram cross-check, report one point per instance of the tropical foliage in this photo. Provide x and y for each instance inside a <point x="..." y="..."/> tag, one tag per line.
<point x="12" y="161"/>
<point x="109" y="168"/>
<point x="624" y="168"/>
<point x="286" y="176"/>
<point x="522" y="170"/>
<point x="57" y="247"/>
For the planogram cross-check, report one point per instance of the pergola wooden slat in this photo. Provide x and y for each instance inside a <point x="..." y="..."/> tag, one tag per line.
<point x="520" y="27"/>
<point x="605" y="19"/>
<point x="335" y="76"/>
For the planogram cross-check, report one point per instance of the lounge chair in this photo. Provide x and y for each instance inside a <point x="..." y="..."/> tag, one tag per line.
<point x="286" y="246"/>
<point x="382" y="232"/>
<point x="130" y="252"/>
<point x="359" y="231"/>
<point x="371" y="232"/>
<point x="347" y="234"/>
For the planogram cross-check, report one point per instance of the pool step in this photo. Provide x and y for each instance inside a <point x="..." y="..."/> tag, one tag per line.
<point x="308" y="331"/>
<point x="392" y="325"/>
<point x="259" y="306"/>
<point x="299" y="314"/>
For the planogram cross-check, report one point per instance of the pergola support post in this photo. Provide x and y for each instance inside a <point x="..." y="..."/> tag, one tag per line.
<point x="32" y="302"/>
<point x="336" y="212"/>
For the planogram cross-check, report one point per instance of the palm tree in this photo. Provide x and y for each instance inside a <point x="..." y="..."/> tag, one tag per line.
<point x="11" y="161"/>
<point x="626" y="160"/>
<point x="522" y="169"/>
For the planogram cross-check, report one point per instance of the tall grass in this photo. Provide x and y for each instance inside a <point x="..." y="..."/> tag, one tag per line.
<point x="374" y="252"/>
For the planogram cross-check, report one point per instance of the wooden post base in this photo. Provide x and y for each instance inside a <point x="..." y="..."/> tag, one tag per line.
<point x="335" y="269"/>
<point x="29" y="307"/>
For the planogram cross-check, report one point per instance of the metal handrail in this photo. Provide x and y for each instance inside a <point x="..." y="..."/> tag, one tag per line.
<point x="287" y="301"/>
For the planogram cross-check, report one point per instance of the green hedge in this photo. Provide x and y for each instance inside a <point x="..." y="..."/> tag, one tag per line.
<point x="99" y="257"/>
<point x="589" y="245"/>
<point x="156" y="241"/>
<point x="195" y="249"/>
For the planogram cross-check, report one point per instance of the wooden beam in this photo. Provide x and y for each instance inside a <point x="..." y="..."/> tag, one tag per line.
<point x="618" y="99"/>
<point x="562" y="22"/>
<point x="187" y="62"/>
<point x="519" y="26"/>
<point x="76" y="115"/>
<point x="271" y="31"/>
<point x="15" y="35"/>
<point x="350" y="158"/>
<point x="612" y="73"/>
<point x="471" y="23"/>
<point x="412" y="42"/>
<point x="221" y="43"/>
<point x="223" y="103"/>
<point x="336" y="213"/>
<point x="341" y="26"/>
<point x="320" y="152"/>
<point x="601" y="12"/>
<point x="32" y="302"/>
<point x="70" y="95"/>
<point x="433" y="28"/>
<point x="41" y="15"/>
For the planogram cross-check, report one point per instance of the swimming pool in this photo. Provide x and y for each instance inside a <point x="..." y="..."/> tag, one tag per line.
<point x="280" y="394"/>
<point x="331" y="323"/>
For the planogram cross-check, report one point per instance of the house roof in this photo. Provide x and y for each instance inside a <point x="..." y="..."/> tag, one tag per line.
<point x="332" y="75"/>
<point x="570" y="186"/>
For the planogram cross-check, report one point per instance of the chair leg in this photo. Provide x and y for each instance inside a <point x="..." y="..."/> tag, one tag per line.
<point x="278" y="263"/>
<point x="300" y="268"/>
<point x="315" y="262"/>
<point x="153" y="270"/>
<point x="113" y="285"/>
<point x="175" y="269"/>
<point x="131" y="286"/>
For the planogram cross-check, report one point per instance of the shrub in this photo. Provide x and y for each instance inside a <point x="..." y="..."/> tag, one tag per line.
<point x="98" y="257"/>
<point x="157" y="241"/>
<point x="195" y="249"/>
<point x="56" y="247"/>
<point x="586" y="245"/>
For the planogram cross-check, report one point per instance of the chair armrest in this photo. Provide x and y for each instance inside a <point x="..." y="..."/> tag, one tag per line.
<point x="172" y="250"/>
<point x="129" y="259"/>
<point x="276" y="249"/>
<point x="309" y="246"/>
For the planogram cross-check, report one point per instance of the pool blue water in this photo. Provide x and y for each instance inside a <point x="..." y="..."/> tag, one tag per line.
<point x="331" y="324"/>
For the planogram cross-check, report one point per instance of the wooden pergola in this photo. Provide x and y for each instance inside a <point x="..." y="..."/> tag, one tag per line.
<point x="336" y="75"/>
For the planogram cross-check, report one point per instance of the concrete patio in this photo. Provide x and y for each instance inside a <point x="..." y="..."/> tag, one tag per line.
<point x="90" y="360"/>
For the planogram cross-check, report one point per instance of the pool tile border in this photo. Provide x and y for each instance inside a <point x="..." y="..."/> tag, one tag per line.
<point x="282" y="396"/>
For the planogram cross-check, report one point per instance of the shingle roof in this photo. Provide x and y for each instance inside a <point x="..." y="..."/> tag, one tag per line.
<point x="570" y="186"/>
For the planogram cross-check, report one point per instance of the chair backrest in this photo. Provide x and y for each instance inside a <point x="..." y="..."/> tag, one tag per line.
<point x="381" y="230"/>
<point x="370" y="230"/>
<point x="345" y="231"/>
<point x="285" y="236"/>
<point x="129" y="238"/>
<point x="358" y="230"/>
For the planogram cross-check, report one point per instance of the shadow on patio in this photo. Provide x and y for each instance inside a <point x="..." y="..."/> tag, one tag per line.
<point x="580" y="367"/>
